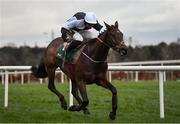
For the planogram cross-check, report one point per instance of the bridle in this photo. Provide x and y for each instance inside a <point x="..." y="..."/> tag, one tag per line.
<point x="102" y="42"/>
<point x="121" y="45"/>
<point x="116" y="47"/>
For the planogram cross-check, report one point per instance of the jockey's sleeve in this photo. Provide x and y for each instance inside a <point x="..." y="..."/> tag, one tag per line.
<point x="71" y="23"/>
<point x="98" y="26"/>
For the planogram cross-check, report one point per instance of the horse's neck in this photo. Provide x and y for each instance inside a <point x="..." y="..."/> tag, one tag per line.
<point x="98" y="51"/>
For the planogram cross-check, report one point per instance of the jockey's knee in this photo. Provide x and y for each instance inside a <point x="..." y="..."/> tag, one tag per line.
<point x="77" y="36"/>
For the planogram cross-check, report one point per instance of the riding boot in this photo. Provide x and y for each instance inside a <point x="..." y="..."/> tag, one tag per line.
<point x="73" y="45"/>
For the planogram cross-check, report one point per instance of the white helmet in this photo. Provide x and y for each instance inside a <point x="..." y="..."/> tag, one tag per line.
<point x="90" y="17"/>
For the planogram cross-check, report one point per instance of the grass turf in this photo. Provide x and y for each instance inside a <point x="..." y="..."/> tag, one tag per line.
<point x="137" y="102"/>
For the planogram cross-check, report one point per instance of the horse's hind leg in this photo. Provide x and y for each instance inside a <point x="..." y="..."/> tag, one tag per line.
<point x="51" y="86"/>
<point x="106" y="84"/>
<point x="76" y="96"/>
<point x="82" y="88"/>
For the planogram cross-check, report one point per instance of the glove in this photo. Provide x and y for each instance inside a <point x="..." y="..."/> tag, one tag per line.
<point x="102" y="30"/>
<point x="67" y="31"/>
<point x="67" y="34"/>
<point x="71" y="32"/>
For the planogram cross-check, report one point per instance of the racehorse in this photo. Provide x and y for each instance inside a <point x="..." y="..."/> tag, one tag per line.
<point x="91" y="67"/>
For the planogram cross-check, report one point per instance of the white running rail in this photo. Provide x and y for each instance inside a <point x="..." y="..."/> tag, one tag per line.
<point x="161" y="69"/>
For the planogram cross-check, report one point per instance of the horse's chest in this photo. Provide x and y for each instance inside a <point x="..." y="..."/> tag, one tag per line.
<point x="92" y="77"/>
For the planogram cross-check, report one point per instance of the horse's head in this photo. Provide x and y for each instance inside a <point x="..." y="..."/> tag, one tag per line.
<point x="114" y="38"/>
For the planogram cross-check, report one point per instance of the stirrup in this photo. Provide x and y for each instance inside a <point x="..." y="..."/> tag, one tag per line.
<point x="66" y="45"/>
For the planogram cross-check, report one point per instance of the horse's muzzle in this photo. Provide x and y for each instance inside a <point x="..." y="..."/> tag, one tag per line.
<point x="122" y="49"/>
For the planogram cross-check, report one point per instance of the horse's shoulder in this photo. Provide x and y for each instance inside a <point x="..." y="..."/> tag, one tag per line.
<point x="91" y="41"/>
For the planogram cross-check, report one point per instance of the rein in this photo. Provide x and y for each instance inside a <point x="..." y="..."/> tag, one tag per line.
<point x="101" y="41"/>
<point x="95" y="61"/>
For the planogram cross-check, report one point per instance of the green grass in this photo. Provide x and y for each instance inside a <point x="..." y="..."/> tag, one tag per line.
<point x="137" y="102"/>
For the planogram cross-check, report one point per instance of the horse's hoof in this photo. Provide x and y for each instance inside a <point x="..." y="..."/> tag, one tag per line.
<point x="64" y="106"/>
<point x="73" y="108"/>
<point x="86" y="111"/>
<point x="112" y="116"/>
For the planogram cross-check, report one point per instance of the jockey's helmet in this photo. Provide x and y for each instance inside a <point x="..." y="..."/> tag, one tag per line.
<point x="90" y="18"/>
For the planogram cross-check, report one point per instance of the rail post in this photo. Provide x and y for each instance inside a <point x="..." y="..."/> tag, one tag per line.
<point x="6" y="89"/>
<point x="2" y="77"/>
<point x="136" y="76"/>
<point x="40" y="80"/>
<point x="110" y="76"/>
<point x="62" y="77"/>
<point x="22" y="78"/>
<point x="70" y="94"/>
<point x="161" y="94"/>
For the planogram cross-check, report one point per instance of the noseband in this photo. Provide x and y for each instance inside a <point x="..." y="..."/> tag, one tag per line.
<point x="121" y="45"/>
<point x="101" y="41"/>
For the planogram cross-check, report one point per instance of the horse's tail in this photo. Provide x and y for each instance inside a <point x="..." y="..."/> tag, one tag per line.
<point x="39" y="71"/>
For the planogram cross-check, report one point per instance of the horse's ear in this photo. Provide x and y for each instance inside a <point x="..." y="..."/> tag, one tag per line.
<point x="107" y="26"/>
<point x="116" y="24"/>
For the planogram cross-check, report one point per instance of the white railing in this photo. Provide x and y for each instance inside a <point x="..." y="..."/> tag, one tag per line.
<point x="144" y="63"/>
<point x="161" y="70"/>
<point x="160" y="62"/>
<point x="21" y="70"/>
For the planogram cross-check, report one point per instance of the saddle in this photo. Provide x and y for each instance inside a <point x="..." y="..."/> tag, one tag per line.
<point x="70" y="57"/>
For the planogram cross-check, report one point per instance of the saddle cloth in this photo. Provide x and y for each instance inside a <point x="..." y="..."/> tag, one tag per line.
<point x="70" y="57"/>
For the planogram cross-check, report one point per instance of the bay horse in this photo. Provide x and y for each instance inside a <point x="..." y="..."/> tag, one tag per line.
<point x="91" y="67"/>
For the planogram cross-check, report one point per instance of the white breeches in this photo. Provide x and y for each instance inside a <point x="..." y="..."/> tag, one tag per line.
<point x="84" y="35"/>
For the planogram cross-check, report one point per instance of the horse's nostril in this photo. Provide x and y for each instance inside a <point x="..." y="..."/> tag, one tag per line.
<point x="119" y="50"/>
<point x="123" y="51"/>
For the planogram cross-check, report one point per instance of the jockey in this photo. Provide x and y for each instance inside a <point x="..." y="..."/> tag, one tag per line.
<point x="80" y="21"/>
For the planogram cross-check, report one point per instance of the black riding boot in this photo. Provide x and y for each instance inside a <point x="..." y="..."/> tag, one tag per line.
<point x="73" y="45"/>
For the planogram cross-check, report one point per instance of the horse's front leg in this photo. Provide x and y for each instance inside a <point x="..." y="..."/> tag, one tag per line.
<point x="106" y="84"/>
<point x="76" y="96"/>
